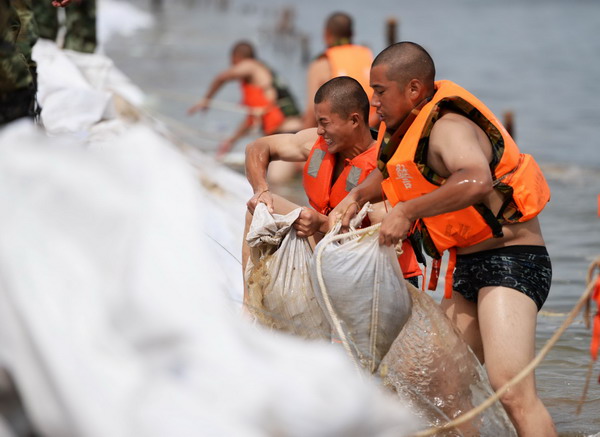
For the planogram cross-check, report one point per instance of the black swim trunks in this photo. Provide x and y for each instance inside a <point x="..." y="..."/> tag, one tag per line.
<point x="524" y="268"/>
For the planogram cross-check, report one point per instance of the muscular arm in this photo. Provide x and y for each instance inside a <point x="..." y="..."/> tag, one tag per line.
<point x="458" y="152"/>
<point x="283" y="147"/>
<point x="241" y="71"/>
<point x="319" y="72"/>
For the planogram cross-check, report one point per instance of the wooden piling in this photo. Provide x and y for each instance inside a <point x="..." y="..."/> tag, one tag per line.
<point x="391" y="31"/>
<point x="305" y="49"/>
<point x="157" y="6"/>
<point x="509" y="123"/>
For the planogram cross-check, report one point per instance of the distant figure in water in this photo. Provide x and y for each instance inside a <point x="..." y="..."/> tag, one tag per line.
<point x="340" y="58"/>
<point x="271" y="106"/>
<point x="452" y="170"/>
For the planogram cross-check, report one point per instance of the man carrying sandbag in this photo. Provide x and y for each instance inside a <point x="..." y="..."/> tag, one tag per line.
<point x="339" y="154"/>
<point x="458" y="174"/>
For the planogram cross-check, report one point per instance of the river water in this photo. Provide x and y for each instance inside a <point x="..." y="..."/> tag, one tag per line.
<point x="539" y="59"/>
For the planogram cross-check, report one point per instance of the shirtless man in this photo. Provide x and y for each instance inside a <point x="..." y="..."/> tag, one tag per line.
<point x="439" y="177"/>
<point x="259" y="95"/>
<point x="339" y="154"/>
<point x="341" y="58"/>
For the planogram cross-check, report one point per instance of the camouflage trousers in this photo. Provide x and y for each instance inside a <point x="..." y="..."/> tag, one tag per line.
<point x="18" y="34"/>
<point x="80" y="23"/>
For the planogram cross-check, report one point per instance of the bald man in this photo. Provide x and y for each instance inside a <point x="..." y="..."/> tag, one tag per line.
<point x="453" y="170"/>
<point x="341" y="58"/>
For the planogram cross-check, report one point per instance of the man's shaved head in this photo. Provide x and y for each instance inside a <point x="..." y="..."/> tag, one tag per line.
<point x="345" y="95"/>
<point x="339" y="26"/>
<point x="406" y="61"/>
<point x="243" y="50"/>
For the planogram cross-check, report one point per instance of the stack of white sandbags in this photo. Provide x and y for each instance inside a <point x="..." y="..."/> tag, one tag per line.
<point x="114" y="318"/>
<point x="115" y="291"/>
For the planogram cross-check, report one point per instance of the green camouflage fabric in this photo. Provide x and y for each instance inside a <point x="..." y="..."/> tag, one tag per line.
<point x="14" y="69"/>
<point x="285" y="99"/>
<point x="28" y="35"/>
<point x="17" y="70"/>
<point x="80" y="23"/>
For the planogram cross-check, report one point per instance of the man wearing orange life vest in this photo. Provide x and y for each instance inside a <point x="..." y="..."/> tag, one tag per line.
<point x="258" y="93"/>
<point x="341" y="58"/>
<point x="459" y="176"/>
<point x="338" y="155"/>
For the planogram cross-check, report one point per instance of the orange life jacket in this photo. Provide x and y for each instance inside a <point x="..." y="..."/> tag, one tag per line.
<point x="515" y="174"/>
<point x="354" y="61"/>
<point x="254" y="97"/>
<point x="324" y="196"/>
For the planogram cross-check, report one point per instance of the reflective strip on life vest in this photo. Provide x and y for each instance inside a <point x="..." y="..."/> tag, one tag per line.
<point x="353" y="178"/>
<point x="315" y="162"/>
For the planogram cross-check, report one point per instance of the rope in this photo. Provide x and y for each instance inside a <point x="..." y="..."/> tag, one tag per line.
<point x="337" y="324"/>
<point x="214" y="104"/>
<point x="520" y="376"/>
<point x="590" y="280"/>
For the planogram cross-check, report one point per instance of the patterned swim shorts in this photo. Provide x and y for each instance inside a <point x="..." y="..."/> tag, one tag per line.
<point x="524" y="268"/>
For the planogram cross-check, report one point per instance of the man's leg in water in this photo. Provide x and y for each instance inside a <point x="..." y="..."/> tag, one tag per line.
<point x="463" y="314"/>
<point x="507" y="322"/>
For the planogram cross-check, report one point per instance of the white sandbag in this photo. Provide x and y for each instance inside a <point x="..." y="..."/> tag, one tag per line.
<point x="77" y="90"/>
<point x="69" y="102"/>
<point x="365" y="295"/>
<point x="431" y="366"/>
<point x="280" y="291"/>
<point x="114" y="315"/>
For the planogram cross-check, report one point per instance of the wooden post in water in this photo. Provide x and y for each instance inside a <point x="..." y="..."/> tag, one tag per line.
<point x="509" y="123"/>
<point x="305" y="49"/>
<point x="157" y="6"/>
<point x="391" y="31"/>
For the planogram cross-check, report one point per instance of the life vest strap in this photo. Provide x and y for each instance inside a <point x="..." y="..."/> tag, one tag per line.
<point x="415" y="241"/>
<point x="491" y="220"/>
<point x="435" y="274"/>
<point x="450" y="273"/>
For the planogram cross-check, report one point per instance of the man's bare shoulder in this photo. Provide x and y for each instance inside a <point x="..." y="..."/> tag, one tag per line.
<point x="451" y="120"/>
<point x="455" y="141"/>
<point x="319" y="67"/>
<point x="306" y="138"/>
<point x="247" y="67"/>
<point x="451" y="127"/>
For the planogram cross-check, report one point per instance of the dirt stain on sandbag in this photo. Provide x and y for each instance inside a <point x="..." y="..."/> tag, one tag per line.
<point x="280" y="292"/>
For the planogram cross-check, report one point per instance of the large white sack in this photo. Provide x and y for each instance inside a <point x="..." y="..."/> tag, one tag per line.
<point x="77" y="90"/>
<point x="280" y="290"/>
<point x="431" y="366"/>
<point x="363" y="293"/>
<point x="114" y="315"/>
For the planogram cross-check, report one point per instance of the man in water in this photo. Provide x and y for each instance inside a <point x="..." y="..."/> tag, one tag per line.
<point x="338" y="155"/>
<point x="340" y="58"/>
<point x="260" y="95"/>
<point x="453" y="170"/>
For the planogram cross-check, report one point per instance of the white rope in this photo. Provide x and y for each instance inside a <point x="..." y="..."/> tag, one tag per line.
<point x="521" y="375"/>
<point x="216" y="104"/>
